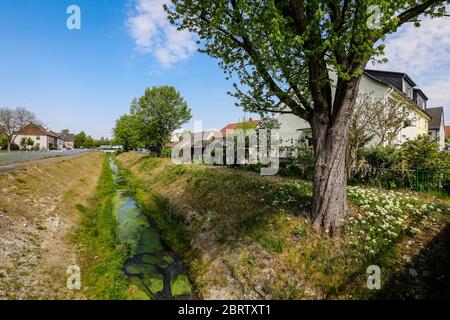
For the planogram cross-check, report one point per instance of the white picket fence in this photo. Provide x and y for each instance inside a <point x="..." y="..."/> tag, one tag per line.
<point x="21" y="156"/>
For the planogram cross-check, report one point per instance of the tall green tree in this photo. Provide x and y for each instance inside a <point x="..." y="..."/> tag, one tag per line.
<point x="159" y="112"/>
<point x="89" y="143"/>
<point x="282" y="51"/>
<point x="80" y="140"/>
<point x="126" y="132"/>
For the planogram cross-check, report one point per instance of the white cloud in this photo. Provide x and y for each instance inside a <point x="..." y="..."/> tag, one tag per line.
<point x="424" y="49"/>
<point x="438" y="90"/>
<point x="424" y="54"/>
<point x="152" y="33"/>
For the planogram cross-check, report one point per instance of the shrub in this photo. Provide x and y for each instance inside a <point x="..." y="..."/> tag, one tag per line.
<point x="380" y="157"/>
<point x="301" y="166"/>
<point x="14" y="147"/>
<point x="424" y="153"/>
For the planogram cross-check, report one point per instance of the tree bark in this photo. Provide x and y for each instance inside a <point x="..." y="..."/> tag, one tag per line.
<point x="330" y="174"/>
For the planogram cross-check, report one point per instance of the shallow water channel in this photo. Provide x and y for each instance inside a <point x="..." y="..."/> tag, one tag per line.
<point x="154" y="271"/>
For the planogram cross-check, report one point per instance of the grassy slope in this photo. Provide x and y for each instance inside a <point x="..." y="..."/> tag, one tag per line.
<point x="103" y="257"/>
<point x="244" y="236"/>
<point x="37" y="214"/>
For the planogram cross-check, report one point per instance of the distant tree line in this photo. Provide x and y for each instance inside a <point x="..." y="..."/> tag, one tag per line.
<point x="82" y="140"/>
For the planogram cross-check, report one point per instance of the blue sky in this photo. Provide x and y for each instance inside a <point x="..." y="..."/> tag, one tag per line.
<point x="84" y="79"/>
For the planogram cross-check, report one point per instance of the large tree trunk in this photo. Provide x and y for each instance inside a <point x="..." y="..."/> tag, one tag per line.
<point x="330" y="174"/>
<point x="330" y="179"/>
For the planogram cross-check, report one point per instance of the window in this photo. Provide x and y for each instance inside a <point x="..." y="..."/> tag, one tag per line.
<point x="38" y="138"/>
<point x="407" y="89"/>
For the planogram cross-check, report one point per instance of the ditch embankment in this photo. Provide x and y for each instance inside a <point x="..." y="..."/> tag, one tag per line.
<point x="243" y="236"/>
<point x="38" y="216"/>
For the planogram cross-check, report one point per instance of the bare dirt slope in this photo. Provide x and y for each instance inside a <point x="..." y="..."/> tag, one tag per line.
<point x="37" y="217"/>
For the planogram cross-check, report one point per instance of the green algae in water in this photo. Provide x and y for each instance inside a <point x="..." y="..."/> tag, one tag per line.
<point x="155" y="260"/>
<point x="160" y="260"/>
<point x="132" y="229"/>
<point x="135" y="293"/>
<point x="137" y="282"/>
<point x="168" y="258"/>
<point x="180" y="286"/>
<point x="146" y="274"/>
<point x="127" y="213"/>
<point x="149" y="242"/>
<point x="154" y="282"/>
<point x="140" y="268"/>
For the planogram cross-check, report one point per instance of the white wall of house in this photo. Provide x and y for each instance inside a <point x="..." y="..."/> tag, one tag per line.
<point x="293" y="129"/>
<point x="442" y="135"/>
<point x="439" y="134"/>
<point x="60" y="143"/>
<point x="69" y="145"/>
<point x="41" y="140"/>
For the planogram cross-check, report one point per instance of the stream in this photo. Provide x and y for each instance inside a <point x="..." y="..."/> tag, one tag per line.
<point x="154" y="271"/>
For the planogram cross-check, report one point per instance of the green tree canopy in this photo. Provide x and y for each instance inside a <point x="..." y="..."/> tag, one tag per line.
<point x="80" y="140"/>
<point x="126" y="132"/>
<point x="423" y="153"/>
<point x="159" y="112"/>
<point x="282" y="52"/>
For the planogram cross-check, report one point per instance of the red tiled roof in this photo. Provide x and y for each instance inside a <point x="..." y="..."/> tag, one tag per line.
<point x="447" y="132"/>
<point x="234" y="126"/>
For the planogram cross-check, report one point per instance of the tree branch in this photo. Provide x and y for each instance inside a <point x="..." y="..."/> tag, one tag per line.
<point x="411" y="13"/>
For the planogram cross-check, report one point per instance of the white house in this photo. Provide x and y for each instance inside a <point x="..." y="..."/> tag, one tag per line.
<point x="42" y="138"/>
<point x="296" y="132"/>
<point x="436" y="127"/>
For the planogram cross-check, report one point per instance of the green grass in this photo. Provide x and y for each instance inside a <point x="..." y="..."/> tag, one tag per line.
<point x="104" y="257"/>
<point x="21" y="181"/>
<point x="251" y="223"/>
<point x="158" y="208"/>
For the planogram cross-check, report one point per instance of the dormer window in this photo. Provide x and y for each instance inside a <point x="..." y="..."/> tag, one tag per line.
<point x="421" y="103"/>
<point x="407" y="89"/>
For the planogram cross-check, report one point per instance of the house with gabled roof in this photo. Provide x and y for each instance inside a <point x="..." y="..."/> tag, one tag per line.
<point x="436" y="126"/>
<point x="69" y="140"/>
<point x="296" y="132"/>
<point x="43" y="138"/>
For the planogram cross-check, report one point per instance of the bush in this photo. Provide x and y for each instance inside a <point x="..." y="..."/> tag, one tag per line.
<point x="424" y="153"/>
<point x="14" y="147"/>
<point x="301" y="166"/>
<point x="395" y="167"/>
<point x="380" y="157"/>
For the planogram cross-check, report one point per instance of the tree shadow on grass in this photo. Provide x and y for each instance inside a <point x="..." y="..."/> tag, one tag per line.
<point x="427" y="275"/>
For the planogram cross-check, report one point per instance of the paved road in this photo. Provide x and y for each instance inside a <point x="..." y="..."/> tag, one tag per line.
<point x="14" y="166"/>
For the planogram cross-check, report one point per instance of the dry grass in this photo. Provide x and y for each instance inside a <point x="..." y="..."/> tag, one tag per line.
<point x="37" y="213"/>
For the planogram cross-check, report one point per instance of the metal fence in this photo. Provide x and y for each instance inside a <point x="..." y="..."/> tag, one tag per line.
<point x="433" y="180"/>
<point x="384" y="178"/>
<point x="21" y="156"/>
<point x="418" y="180"/>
